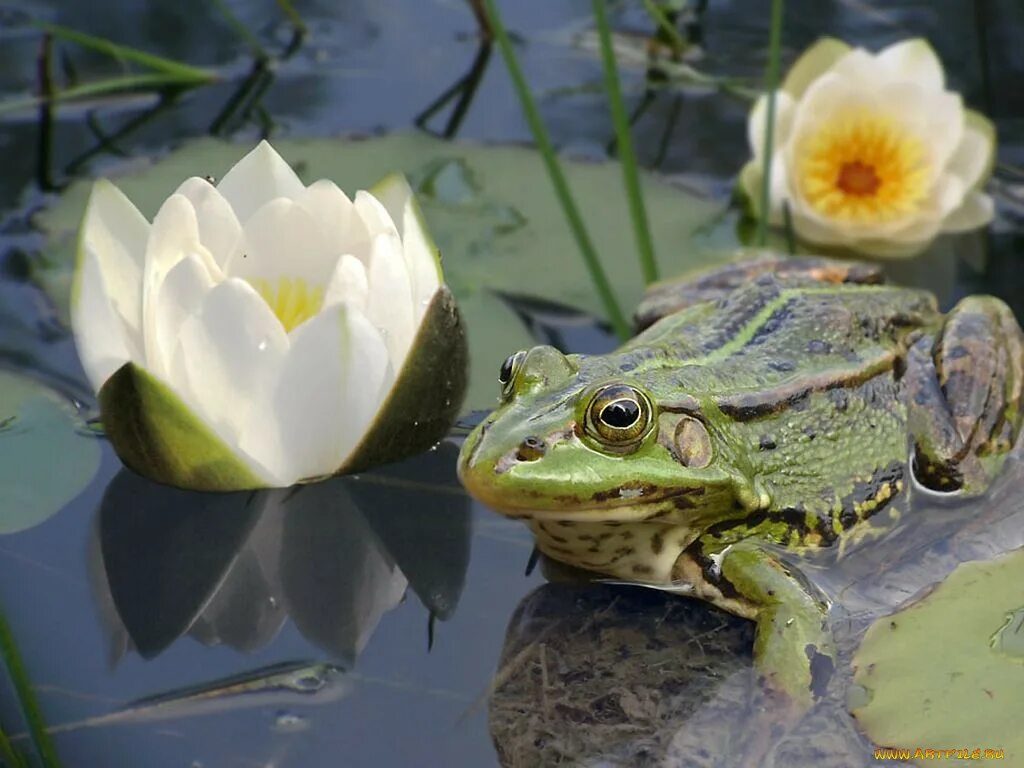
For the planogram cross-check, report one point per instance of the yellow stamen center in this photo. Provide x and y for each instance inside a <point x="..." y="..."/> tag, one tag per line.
<point x="862" y="167"/>
<point x="290" y="298"/>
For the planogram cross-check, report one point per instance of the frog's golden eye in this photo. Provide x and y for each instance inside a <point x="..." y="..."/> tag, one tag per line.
<point x="619" y="415"/>
<point x="508" y="371"/>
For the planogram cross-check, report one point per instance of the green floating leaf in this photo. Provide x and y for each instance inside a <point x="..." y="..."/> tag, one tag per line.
<point x="490" y="210"/>
<point x="949" y="670"/>
<point x="46" y="458"/>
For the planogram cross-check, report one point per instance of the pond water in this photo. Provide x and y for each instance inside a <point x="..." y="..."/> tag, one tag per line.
<point x="387" y="619"/>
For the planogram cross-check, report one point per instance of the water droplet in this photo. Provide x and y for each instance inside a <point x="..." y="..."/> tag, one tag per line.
<point x="287" y="722"/>
<point x="262" y="345"/>
<point x="273" y="601"/>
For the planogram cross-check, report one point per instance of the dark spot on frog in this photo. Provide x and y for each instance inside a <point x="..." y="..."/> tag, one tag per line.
<point x="642" y="570"/>
<point x="629" y="365"/>
<point x="767" y="443"/>
<point x="657" y="543"/>
<point x="810" y="433"/>
<point x="847" y="517"/>
<point x="840" y="399"/>
<point x="822" y="666"/>
<point x="818" y="347"/>
<point x="956" y="352"/>
<point x="782" y="366"/>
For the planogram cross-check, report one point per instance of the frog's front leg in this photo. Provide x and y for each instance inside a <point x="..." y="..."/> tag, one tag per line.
<point x="793" y="648"/>
<point x="964" y="391"/>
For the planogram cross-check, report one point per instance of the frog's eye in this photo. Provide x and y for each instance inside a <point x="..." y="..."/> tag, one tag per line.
<point x="508" y="371"/>
<point x="619" y="415"/>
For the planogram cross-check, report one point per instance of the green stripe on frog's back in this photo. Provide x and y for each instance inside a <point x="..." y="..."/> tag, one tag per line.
<point x="709" y="333"/>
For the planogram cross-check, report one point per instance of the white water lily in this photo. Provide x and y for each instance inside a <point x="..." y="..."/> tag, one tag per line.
<point x="254" y="333"/>
<point x="871" y="152"/>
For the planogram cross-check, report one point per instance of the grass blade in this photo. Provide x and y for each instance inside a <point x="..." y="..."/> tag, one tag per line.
<point x="624" y="142"/>
<point x="26" y="697"/>
<point x="558" y="181"/>
<point x="143" y="82"/>
<point x="667" y="27"/>
<point x="182" y="72"/>
<point x="293" y="16"/>
<point x="772" y="82"/>
<point x="241" y="30"/>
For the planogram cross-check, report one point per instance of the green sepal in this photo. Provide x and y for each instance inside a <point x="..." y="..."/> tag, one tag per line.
<point x="155" y="434"/>
<point x="427" y="394"/>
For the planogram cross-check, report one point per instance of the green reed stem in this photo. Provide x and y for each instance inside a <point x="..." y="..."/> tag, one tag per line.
<point x="624" y="143"/>
<point x="241" y="30"/>
<point x="293" y="16"/>
<point x="10" y="758"/>
<point x="666" y="26"/>
<point x="181" y="72"/>
<point x="771" y="84"/>
<point x="554" y="170"/>
<point x="26" y="697"/>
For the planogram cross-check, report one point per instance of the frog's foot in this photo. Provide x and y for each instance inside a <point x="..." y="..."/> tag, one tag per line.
<point x="669" y="296"/>
<point x="964" y="393"/>
<point x="793" y="648"/>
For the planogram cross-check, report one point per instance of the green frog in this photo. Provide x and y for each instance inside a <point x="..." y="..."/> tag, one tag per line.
<point x="769" y="405"/>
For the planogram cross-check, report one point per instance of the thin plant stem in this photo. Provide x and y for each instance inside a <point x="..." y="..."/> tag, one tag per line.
<point x="666" y="26"/>
<point x="562" y="192"/>
<point x="293" y="16"/>
<point x="181" y="72"/>
<point x="26" y="697"/>
<point x="241" y="30"/>
<point x="772" y="82"/>
<point x="10" y="758"/>
<point x="624" y="142"/>
<point x="44" y="155"/>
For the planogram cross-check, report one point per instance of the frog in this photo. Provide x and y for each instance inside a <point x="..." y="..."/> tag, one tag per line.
<point x="766" y="407"/>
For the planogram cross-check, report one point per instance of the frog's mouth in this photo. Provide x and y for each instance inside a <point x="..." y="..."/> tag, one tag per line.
<point x="630" y="503"/>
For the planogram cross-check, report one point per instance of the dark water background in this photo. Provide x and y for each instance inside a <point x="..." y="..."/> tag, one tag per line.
<point x="316" y="576"/>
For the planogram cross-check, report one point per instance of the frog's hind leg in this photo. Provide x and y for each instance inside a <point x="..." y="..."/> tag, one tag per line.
<point x="669" y="296"/>
<point x="964" y="395"/>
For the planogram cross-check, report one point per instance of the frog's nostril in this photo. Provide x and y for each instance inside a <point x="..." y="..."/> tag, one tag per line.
<point x="531" y="449"/>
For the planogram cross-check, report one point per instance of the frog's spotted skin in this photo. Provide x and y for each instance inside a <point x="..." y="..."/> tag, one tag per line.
<point x="769" y="401"/>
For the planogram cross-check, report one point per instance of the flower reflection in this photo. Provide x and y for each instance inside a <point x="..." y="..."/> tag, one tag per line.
<point x="229" y="569"/>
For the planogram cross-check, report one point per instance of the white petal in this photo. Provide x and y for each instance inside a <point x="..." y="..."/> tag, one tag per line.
<point x="389" y="306"/>
<point x="348" y="284"/>
<point x="421" y="257"/>
<point x="758" y="122"/>
<point x="972" y="157"/>
<point x="99" y="332"/>
<point x="218" y="226"/>
<point x="282" y="240"/>
<point x="915" y="60"/>
<point x="812" y="64"/>
<point x="116" y="233"/>
<point x="180" y="296"/>
<point x="861" y="68"/>
<point x="976" y="211"/>
<point x="173" y="236"/>
<point x="233" y="350"/>
<point x="256" y="179"/>
<point x="374" y="215"/>
<point x="332" y="382"/>
<point x="336" y="216"/>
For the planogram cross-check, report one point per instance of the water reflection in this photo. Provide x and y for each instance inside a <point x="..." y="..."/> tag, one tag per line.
<point x="229" y="569"/>
<point x="600" y="674"/>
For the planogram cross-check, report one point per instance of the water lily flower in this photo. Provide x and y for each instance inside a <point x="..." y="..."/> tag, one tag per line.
<point x="262" y="332"/>
<point x="871" y="152"/>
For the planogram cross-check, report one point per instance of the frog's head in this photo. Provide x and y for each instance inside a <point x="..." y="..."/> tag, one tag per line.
<point x="575" y="438"/>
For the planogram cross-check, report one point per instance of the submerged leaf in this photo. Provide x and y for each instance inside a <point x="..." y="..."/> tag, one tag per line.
<point x="46" y="456"/>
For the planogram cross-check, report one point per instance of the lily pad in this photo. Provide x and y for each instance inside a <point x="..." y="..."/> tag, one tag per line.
<point x="46" y="455"/>
<point x="489" y="208"/>
<point x="949" y="670"/>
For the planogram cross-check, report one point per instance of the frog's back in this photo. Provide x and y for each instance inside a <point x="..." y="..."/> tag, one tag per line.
<point x="801" y="385"/>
